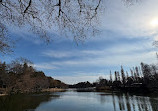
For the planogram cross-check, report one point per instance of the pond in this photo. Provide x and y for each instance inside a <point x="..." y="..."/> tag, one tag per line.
<point x="79" y="101"/>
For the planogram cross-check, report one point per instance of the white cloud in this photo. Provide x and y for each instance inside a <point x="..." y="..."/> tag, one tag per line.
<point x="58" y="54"/>
<point x="45" y="66"/>
<point x="80" y="78"/>
<point x="121" y="54"/>
<point x="109" y="60"/>
<point x="132" y="21"/>
<point x="119" y="48"/>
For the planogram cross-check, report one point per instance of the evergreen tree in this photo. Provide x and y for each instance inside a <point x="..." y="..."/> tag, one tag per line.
<point x="135" y="75"/>
<point x="110" y="77"/>
<point x="116" y="77"/>
<point x="127" y="75"/>
<point x="140" y="71"/>
<point x="132" y="73"/>
<point x="123" y="75"/>
<point x="153" y="69"/>
<point x="137" y="72"/>
<point x="146" y="70"/>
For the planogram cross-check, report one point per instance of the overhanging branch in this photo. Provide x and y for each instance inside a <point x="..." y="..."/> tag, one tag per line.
<point x="28" y="6"/>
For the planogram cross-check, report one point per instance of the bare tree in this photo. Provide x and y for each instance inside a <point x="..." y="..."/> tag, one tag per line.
<point x="72" y="17"/>
<point x="18" y="65"/>
<point x="4" y="43"/>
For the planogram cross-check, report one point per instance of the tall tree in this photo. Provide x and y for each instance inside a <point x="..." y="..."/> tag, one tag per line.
<point x="146" y="70"/>
<point x="132" y="74"/>
<point x="123" y="75"/>
<point x="110" y="77"/>
<point x="154" y="69"/>
<point x="140" y="71"/>
<point x="137" y="71"/>
<point x="127" y="75"/>
<point x="116" y="76"/>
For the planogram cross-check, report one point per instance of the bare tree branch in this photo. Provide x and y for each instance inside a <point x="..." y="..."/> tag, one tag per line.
<point x="43" y="15"/>
<point x="28" y="6"/>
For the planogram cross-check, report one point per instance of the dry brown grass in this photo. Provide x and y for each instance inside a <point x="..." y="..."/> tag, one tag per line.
<point x="53" y="90"/>
<point x="3" y="94"/>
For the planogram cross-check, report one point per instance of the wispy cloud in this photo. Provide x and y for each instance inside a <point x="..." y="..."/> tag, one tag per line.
<point x="58" y="54"/>
<point x="80" y="78"/>
<point x="130" y="59"/>
<point x="45" y="66"/>
<point x="122" y="54"/>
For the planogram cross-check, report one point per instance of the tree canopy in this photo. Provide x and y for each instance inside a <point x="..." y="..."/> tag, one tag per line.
<point x="69" y="17"/>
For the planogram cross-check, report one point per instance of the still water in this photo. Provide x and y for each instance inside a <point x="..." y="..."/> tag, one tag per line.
<point x="78" y="101"/>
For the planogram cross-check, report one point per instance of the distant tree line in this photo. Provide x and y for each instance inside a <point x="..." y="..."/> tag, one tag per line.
<point x="20" y="76"/>
<point x="86" y="84"/>
<point x="143" y="78"/>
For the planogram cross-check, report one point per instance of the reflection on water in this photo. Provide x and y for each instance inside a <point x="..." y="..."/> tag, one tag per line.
<point x="132" y="103"/>
<point x="23" y="102"/>
<point x="81" y="101"/>
<point x="126" y="102"/>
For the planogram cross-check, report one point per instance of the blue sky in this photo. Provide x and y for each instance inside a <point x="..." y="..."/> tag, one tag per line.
<point x="125" y="38"/>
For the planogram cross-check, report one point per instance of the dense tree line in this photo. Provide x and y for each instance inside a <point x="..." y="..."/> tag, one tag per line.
<point x="20" y="76"/>
<point x="142" y="78"/>
<point x="82" y="85"/>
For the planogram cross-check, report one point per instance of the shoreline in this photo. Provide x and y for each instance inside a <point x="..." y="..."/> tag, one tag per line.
<point x="3" y="94"/>
<point x="53" y="90"/>
<point x="41" y="91"/>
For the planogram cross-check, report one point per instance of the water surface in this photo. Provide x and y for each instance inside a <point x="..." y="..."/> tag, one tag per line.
<point x="79" y="101"/>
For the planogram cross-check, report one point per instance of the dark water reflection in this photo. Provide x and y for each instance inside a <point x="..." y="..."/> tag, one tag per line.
<point x="24" y="102"/>
<point x="81" y="101"/>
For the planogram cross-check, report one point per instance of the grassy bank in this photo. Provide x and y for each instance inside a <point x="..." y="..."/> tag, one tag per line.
<point x="3" y="92"/>
<point x="53" y="90"/>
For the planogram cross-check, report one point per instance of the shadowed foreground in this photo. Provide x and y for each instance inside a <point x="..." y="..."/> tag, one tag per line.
<point x="23" y="102"/>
